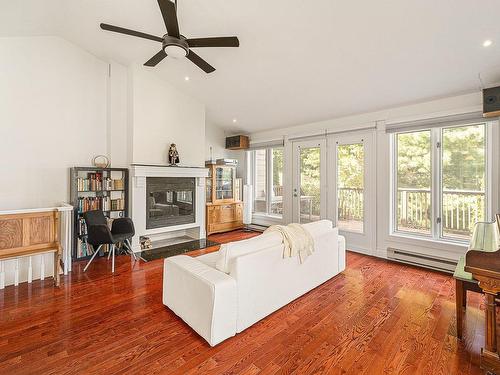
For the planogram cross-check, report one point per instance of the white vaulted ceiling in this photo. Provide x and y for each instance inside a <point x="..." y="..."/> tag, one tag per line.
<point x="299" y="61"/>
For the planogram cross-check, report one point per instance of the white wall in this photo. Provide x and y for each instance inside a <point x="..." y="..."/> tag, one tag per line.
<point x="215" y="139"/>
<point x="163" y="115"/>
<point x="52" y="117"/>
<point x="119" y="138"/>
<point x="60" y="106"/>
<point x="380" y="181"/>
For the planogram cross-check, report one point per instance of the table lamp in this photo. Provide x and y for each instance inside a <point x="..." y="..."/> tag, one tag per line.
<point x="485" y="237"/>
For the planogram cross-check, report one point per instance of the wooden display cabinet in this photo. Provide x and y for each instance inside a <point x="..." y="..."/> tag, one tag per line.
<point x="224" y="211"/>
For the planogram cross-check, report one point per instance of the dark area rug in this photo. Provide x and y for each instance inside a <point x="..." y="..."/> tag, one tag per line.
<point x="176" y="249"/>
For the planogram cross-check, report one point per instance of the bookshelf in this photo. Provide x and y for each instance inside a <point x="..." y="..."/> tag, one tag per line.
<point x="92" y="188"/>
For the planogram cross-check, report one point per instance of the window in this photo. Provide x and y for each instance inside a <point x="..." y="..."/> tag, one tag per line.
<point x="414" y="182"/>
<point x="440" y="181"/>
<point x="260" y="185"/>
<point x="350" y="187"/>
<point x="268" y="181"/>
<point x="463" y="179"/>
<point x="276" y="206"/>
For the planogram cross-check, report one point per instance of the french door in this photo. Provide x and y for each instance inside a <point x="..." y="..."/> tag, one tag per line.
<point x="351" y="187"/>
<point x="309" y="179"/>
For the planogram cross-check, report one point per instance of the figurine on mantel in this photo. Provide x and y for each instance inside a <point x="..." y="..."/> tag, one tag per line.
<point x="173" y="155"/>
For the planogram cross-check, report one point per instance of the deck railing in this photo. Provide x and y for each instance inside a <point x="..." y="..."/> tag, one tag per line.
<point x="461" y="209"/>
<point x="350" y="204"/>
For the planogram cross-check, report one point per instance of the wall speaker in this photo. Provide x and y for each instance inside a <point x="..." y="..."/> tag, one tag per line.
<point x="237" y="142"/>
<point x="491" y="102"/>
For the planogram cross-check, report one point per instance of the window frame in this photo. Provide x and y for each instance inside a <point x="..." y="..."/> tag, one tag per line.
<point x="269" y="180"/>
<point x="436" y="140"/>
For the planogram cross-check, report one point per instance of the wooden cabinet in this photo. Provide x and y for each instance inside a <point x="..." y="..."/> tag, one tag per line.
<point x="224" y="209"/>
<point x="224" y="217"/>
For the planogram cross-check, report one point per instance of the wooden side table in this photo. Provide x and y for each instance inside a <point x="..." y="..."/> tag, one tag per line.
<point x="464" y="281"/>
<point x="485" y="267"/>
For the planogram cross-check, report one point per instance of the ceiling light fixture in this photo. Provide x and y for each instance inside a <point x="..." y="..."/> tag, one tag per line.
<point x="234" y="121"/>
<point x="186" y="78"/>
<point x="487" y="43"/>
<point x="176" y="50"/>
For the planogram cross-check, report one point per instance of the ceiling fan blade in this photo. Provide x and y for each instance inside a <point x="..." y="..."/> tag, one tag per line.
<point x="153" y="61"/>
<point x="122" y="30"/>
<point x="225" y="41"/>
<point x="202" y="64"/>
<point x="169" y="14"/>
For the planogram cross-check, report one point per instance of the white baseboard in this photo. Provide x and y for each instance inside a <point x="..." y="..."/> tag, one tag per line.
<point x="379" y="253"/>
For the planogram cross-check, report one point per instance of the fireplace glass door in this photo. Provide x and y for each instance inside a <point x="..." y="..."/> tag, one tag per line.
<point x="170" y="201"/>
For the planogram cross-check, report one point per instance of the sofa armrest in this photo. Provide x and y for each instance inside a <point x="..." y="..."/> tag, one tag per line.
<point x="205" y="298"/>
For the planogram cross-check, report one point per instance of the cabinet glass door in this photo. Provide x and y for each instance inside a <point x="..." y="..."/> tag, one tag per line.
<point x="224" y="179"/>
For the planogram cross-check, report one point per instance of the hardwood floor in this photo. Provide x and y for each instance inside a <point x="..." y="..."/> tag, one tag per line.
<point x="377" y="317"/>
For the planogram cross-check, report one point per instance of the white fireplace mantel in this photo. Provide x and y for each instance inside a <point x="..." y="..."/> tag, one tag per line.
<point x="138" y="175"/>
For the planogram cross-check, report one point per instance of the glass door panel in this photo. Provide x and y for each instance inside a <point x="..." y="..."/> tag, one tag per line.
<point x="350" y="187"/>
<point x="308" y="195"/>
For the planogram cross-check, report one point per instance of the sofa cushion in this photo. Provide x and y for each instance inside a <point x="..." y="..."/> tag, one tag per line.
<point x="317" y="228"/>
<point x="229" y="251"/>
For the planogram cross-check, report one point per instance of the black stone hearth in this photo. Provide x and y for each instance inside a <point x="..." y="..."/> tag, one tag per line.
<point x="176" y="249"/>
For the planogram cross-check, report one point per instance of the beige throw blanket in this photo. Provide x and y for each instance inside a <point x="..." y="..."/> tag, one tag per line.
<point x="296" y="240"/>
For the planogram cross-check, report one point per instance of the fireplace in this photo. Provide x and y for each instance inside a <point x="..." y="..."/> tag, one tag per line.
<point x="167" y="202"/>
<point x="170" y="201"/>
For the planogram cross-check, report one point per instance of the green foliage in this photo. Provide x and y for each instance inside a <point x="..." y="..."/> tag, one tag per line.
<point x="414" y="160"/>
<point x="310" y="176"/>
<point x="464" y="158"/>
<point x="277" y="166"/>
<point x="351" y="166"/>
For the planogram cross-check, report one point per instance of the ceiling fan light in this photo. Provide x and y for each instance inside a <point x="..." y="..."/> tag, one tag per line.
<point x="175" y="51"/>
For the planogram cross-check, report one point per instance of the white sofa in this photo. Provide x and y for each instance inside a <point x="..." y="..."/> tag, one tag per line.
<point x="223" y="293"/>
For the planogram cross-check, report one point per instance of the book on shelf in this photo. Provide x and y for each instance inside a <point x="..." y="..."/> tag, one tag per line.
<point x="100" y="203"/>
<point x="96" y="189"/>
<point x="85" y="250"/>
<point x="96" y="182"/>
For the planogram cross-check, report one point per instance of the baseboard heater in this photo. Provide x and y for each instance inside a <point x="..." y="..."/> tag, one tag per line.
<point x="421" y="260"/>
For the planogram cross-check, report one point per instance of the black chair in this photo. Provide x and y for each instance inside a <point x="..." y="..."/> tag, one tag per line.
<point x="98" y="234"/>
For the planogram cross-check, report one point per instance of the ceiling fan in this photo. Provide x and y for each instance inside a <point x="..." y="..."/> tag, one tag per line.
<point x="173" y="43"/>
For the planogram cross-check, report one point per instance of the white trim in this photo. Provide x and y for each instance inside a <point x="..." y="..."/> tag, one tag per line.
<point x="442" y="119"/>
<point x="167" y="171"/>
<point x="266" y="220"/>
<point x="376" y="252"/>
<point x="278" y="143"/>
<point x="62" y="208"/>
